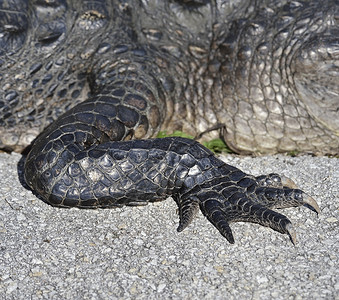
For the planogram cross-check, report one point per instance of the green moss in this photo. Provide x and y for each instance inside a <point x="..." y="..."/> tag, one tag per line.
<point x="215" y="145"/>
<point x="163" y="134"/>
<point x="293" y="153"/>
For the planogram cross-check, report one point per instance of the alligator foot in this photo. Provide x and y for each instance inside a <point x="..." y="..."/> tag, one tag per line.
<point x="255" y="203"/>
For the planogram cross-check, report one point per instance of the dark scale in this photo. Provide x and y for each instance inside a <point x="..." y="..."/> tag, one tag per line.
<point x="94" y="82"/>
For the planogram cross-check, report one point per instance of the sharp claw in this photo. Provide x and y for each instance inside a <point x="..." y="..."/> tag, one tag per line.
<point x="291" y="232"/>
<point x="288" y="182"/>
<point x="308" y="201"/>
<point x="180" y="228"/>
<point x="311" y="203"/>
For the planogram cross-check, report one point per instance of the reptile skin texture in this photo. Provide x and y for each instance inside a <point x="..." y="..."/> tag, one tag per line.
<point x="87" y="85"/>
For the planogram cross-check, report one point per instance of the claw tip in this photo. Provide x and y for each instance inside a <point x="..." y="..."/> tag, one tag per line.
<point x="291" y="233"/>
<point x="288" y="182"/>
<point x="312" y="203"/>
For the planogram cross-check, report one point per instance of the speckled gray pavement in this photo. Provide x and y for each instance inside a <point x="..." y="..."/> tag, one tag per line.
<point x="136" y="253"/>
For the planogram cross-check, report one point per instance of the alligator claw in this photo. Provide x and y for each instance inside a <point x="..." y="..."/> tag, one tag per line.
<point x="311" y="204"/>
<point x="252" y="199"/>
<point x="291" y="232"/>
<point x="288" y="182"/>
<point x="187" y="211"/>
<point x="308" y="201"/>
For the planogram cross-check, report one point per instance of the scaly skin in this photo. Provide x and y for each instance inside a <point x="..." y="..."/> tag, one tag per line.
<point x="266" y="70"/>
<point x="123" y="69"/>
<point x="113" y="174"/>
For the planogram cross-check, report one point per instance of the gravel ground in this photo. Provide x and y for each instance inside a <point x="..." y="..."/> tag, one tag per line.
<point x="136" y="253"/>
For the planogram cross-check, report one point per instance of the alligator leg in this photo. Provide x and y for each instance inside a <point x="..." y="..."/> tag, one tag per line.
<point x="99" y="153"/>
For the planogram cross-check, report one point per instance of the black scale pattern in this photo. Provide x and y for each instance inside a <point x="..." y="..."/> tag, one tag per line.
<point x="135" y="77"/>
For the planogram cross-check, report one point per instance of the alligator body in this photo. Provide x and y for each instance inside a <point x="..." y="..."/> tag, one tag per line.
<point x="83" y="78"/>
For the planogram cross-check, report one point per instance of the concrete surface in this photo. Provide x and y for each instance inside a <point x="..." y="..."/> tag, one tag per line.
<point x="136" y="253"/>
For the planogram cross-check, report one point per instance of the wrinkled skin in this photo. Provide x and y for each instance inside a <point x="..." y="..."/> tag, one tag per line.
<point x="125" y="69"/>
<point x="268" y="73"/>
